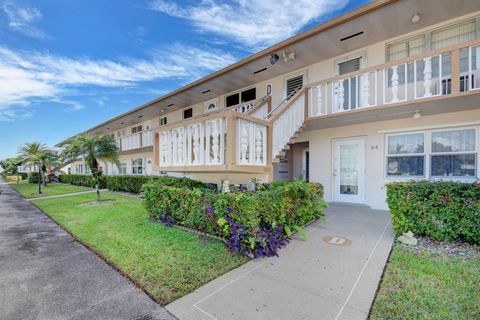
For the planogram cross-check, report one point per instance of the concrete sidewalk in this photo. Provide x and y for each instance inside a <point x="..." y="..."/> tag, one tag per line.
<point x="332" y="275"/>
<point x="46" y="274"/>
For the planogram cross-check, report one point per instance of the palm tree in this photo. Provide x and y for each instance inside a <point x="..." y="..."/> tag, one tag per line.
<point x="47" y="158"/>
<point x="33" y="153"/>
<point x="93" y="147"/>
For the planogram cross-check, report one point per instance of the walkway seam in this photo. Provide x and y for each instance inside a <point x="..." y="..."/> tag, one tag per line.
<point x="361" y="272"/>
<point x="223" y="287"/>
<point x="66" y="195"/>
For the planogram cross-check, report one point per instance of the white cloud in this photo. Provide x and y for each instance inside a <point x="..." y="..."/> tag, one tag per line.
<point x="22" y="19"/>
<point x="27" y="76"/>
<point x="251" y="22"/>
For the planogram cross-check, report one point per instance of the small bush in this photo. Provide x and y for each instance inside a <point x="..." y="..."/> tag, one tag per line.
<point x="251" y="223"/>
<point x="33" y="177"/>
<point x="447" y="211"/>
<point x="131" y="184"/>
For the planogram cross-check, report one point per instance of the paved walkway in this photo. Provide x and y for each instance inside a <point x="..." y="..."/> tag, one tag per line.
<point x="312" y="279"/>
<point x="46" y="274"/>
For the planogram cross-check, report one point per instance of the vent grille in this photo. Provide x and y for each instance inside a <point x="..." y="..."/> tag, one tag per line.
<point x="349" y="66"/>
<point x="294" y="84"/>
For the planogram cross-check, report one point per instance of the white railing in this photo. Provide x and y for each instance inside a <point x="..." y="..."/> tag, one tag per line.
<point x="470" y="68"/>
<point x="420" y="78"/>
<point x="135" y="141"/>
<point x="251" y="143"/>
<point x="287" y="124"/>
<point x="201" y="143"/>
<point x="147" y="139"/>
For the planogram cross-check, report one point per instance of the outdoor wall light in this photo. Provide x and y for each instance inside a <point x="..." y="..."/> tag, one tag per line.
<point x="415" y="18"/>
<point x="417" y="114"/>
<point x="287" y="56"/>
<point x="274" y="58"/>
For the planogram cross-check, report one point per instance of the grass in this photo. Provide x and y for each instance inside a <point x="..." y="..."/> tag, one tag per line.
<point x="167" y="262"/>
<point x="30" y="190"/>
<point x="10" y="179"/>
<point x="427" y="286"/>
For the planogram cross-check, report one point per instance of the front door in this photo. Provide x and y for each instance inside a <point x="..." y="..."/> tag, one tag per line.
<point x="349" y="170"/>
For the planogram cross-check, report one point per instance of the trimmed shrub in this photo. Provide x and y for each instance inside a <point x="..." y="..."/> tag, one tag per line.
<point x="131" y="184"/>
<point x="84" y="180"/>
<point x="447" y="211"/>
<point x="252" y="223"/>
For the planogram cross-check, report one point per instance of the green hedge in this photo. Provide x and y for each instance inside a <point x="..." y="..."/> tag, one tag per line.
<point x="131" y="184"/>
<point x="253" y="217"/>
<point x="84" y="180"/>
<point x="440" y="210"/>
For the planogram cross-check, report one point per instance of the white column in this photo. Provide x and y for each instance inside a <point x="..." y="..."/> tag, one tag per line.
<point x="319" y="101"/>
<point x="258" y="145"/>
<point x="341" y="95"/>
<point x="366" y="90"/>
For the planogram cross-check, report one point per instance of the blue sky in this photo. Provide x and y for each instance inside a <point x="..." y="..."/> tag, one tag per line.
<point x="66" y="66"/>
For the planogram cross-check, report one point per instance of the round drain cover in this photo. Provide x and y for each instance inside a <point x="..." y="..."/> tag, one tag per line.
<point x="337" y="240"/>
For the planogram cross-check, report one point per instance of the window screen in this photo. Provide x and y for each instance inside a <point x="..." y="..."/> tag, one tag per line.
<point x="294" y="84"/>
<point x="452" y="35"/>
<point x="406" y="48"/>
<point x="349" y="66"/>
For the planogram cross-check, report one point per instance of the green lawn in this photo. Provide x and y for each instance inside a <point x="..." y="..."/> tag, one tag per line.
<point x="427" y="286"/>
<point x="30" y="190"/>
<point x="167" y="262"/>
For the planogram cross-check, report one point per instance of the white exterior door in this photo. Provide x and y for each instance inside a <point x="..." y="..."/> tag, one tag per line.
<point x="349" y="170"/>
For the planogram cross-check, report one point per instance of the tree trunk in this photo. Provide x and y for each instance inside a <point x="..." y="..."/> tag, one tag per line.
<point x="98" y="188"/>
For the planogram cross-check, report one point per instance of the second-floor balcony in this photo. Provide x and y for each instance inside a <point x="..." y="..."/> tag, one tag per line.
<point x="250" y="140"/>
<point x="445" y="72"/>
<point x="135" y="141"/>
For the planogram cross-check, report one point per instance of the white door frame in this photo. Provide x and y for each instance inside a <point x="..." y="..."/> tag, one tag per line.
<point x="360" y="197"/>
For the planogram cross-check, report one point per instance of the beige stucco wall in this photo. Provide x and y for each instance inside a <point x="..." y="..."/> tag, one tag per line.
<point x="320" y="146"/>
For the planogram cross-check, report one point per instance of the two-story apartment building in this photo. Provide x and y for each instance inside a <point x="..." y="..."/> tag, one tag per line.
<point x="387" y="92"/>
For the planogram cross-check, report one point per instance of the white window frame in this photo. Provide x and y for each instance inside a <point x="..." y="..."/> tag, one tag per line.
<point x="428" y="155"/>
<point x="474" y="152"/>
<point x="122" y="167"/>
<point x="303" y="73"/>
<point x="137" y="129"/>
<point x="137" y="166"/>
<point x="183" y="113"/>
<point x="424" y="154"/>
<point x="160" y="121"/>
<point x="356" y="55"/>
<point x="428" y="34"/>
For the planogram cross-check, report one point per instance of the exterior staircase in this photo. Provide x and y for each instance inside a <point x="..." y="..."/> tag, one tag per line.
<point x="288" y="123"/>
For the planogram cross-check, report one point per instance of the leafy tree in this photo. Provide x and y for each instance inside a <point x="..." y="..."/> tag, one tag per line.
<point x="37" y="153"/>
<point x="10" y="165"/>
<point x="93" y="147"/>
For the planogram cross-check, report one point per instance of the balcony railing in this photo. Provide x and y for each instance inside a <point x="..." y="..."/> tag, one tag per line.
<point x="219" y="141"/>
<point x="135" y="141"/>
<point x="250" y="137"/>
<point x="438" y="73"/>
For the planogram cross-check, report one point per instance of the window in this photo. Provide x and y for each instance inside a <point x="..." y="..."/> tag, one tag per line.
<point x="241" y="97"/>
<point x="211" y="105"/>
<point x="137" y="166"/>
<point x="188" y="113"/>
<point x="406" y="48"/>
<point x="248" y="95"/>
<point x="122" y="167"/>
<point x="405" y="155"/>
<point x="446" y="153"/>
<point x="349" y="66"/>
<point x="163" y="121"/>
<point x="453" y="153"/>
<point x="293" y="85"/>
<point x="432" y="40"/>
<point x="137" y="129"/>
